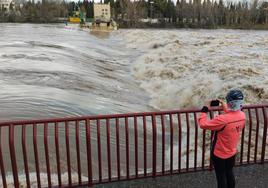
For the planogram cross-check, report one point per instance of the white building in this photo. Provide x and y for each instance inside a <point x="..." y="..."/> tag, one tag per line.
<point x="102" y="12"/>
<point x="5" y="5"/>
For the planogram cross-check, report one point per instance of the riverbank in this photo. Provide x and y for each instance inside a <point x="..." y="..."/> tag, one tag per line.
<point x="33" y="20"/>
<point x="142" y="25"/>
<point x="166" y="25"/>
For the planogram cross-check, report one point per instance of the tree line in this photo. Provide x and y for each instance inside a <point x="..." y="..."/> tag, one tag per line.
<point x="193" y="13"/>
<point x="151" y="13"/>
<point x="40" y="12"/>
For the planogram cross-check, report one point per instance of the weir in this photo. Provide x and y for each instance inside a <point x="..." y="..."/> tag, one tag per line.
<point x="148" y="144"/>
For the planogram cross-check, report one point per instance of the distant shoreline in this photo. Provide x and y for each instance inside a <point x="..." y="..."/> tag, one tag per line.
<point x="166" y="26"/>
<point x="176" y="26"/>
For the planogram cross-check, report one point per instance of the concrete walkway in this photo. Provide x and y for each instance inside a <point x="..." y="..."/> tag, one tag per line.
<point x="252" y="176"/>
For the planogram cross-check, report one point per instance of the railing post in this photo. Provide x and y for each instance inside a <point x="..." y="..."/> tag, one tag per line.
<point x="171" y="143"/>
<point x="154" y="145"/>
<point x="136" y="147"/>
<point x="163" y="143"/>
<point x="2" y="167"/>
<point x="57" y="152"/>
<point x="257" y="134"/>
<point x="203" y="148"/>
<point x="24" y="149"/>
<point x="264" y="134"/>
<point x="68" y="153"/>
<point x="127" y="146"/>
<point x="117" y="148"/>
<point x="89" y="162"/>
<point x="179" y="141"/>
<point x="249" y="135"/>
<point x="47" y="154"/>
<point x="13" y="156"/>
<point x="211" y="114"/>
<point x="242" y="146"/>
<point x="77" y="136"/>
<point x="99" y="150"/>
<point x="36" y="156"/>
<point x="145" y="146"/>
<point x="187" y="142"/>
<point x="196" y="139"/>
<point x="108" y="149"/>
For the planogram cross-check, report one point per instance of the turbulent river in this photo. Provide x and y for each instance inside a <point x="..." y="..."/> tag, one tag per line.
<point x="56" y="71"/>
<point x="59" y="71"/>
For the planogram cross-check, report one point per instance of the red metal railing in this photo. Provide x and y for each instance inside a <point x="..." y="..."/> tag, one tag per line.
<point x="84" y="151"/>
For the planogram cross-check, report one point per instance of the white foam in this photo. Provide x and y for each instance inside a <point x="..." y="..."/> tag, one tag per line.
<point x="182" y="68"/>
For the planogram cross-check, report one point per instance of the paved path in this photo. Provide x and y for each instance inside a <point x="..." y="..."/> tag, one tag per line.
<point x="252" y="176"/>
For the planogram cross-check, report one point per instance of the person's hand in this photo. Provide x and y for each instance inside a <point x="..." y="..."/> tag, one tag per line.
<point x="223" y="104"/>
<point x="207" y="103"/>
<point x="220" y="101"/>
<point x="206" y="106"/>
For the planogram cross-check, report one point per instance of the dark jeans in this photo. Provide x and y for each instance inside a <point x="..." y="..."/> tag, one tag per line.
<point x="224" y="171"/>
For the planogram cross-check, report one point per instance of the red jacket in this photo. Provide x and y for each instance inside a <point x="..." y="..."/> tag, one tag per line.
<point x="228" y="128"/>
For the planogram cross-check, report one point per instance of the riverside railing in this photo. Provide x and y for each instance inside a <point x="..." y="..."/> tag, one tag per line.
<point x="83" y="151"/>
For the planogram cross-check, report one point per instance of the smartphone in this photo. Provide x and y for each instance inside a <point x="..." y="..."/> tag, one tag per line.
<point x="215" y="103"/>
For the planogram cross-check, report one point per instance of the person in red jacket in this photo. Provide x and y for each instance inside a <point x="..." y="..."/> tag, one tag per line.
<point x="227" y="129"/>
